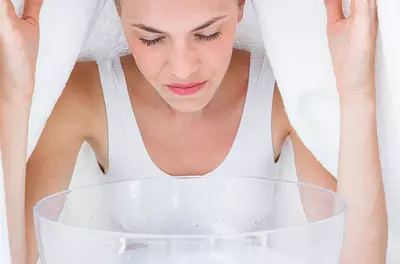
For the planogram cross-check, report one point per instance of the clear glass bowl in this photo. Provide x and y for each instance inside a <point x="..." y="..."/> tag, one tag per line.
<point x="204" y="220"/>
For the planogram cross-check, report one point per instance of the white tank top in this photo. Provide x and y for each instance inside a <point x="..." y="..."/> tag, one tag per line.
<point x="251" y="153"/>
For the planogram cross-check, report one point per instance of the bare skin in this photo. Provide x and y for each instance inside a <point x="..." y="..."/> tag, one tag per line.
<point x="80" y="113"/>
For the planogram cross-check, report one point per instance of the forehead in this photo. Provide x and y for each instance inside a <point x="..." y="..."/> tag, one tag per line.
<point x="178" y="12"/>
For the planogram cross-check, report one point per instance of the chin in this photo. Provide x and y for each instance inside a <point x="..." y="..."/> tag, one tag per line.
<point x="189" y="106"/>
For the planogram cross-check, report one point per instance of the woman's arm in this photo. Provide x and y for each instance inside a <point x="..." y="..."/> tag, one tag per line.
<point x="360" y="182"/>
<point x="76" y="117"/>
<point x="19" y="41"/>
<point x="352" y="44"/>
<point x="13" y="135"/>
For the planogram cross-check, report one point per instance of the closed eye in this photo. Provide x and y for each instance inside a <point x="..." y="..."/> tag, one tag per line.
<point x="151" y="42"/>
<point x="214" y="36"/>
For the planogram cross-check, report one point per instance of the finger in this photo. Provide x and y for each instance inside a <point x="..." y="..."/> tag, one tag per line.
<point x="363" y="8"/>
<point x="32" y="10"/>
<point x="374" y="16"/>
<point x="334" y="11"/>
<point x="5" y="2"/>
<point x="6" y="8"/>
<point x="373" y="8"/>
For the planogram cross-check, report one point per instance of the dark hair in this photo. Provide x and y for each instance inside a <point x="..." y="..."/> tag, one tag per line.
<point x="118" y="5"/>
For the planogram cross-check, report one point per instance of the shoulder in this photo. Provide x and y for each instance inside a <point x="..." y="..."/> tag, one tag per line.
<point x="82" y="100"/>
<point x="84" y="83"/>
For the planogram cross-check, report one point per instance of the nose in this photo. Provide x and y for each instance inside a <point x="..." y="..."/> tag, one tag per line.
<point x="183" y="62"/>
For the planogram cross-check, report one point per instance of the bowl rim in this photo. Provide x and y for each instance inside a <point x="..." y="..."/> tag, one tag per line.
<point x="154" y="236"/>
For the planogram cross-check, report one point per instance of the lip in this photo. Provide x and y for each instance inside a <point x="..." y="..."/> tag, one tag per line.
<point x="185" y="86"/>
<point x="186" y="89"/>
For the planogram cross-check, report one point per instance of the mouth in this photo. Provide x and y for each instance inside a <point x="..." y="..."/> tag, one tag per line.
<point x="186" y="89"/>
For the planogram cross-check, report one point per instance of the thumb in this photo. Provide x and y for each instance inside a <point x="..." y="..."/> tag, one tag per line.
<point x="334" y="11"/>
<point x="32" y="11"/>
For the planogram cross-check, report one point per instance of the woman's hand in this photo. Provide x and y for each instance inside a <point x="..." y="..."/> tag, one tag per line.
<point x="352" y="43"/>
<point x="19" y="44"/>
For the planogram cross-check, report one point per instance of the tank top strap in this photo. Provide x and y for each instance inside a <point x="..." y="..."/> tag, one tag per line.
<point x="254" y="138"/>
<point x="126" y="151"/>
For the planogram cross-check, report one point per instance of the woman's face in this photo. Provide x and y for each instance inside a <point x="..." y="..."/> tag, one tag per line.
<point x="183" y="48"/>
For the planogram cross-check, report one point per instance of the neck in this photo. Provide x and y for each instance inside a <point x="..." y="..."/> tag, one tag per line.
<point x="187" y="118"/>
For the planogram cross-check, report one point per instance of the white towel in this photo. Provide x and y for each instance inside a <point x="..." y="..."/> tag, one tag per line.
<point x="294" y="35"/>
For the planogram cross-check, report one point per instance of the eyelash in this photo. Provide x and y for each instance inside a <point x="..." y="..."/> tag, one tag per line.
<point x="212" y="37"/>
<point x="151" y="42"/>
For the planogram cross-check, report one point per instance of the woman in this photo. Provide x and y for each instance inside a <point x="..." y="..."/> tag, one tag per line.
<point x="187" y="103"/>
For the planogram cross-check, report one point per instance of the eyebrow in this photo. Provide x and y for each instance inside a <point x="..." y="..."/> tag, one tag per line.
<point x="157" y="31"/>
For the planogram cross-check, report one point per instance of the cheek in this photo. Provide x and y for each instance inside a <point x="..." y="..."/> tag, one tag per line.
<point x="216" y="55"/>
<point x="149" y="61"/>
